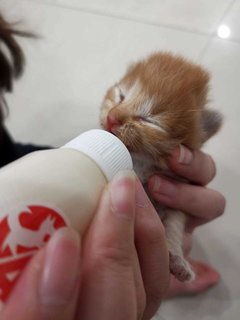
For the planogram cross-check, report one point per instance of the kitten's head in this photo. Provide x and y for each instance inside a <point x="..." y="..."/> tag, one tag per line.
<point x="159" y="103"/>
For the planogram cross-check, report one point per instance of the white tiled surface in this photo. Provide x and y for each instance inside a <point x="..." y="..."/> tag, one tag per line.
<point x="85" y="46"/>
<point x="232" y="19"/>
<point x="199" y="16"/>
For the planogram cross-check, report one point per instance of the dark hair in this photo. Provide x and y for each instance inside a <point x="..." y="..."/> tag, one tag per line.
<point x="11" y="64"/>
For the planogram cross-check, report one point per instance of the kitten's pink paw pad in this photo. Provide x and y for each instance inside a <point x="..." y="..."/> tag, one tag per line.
<point x="180" y="268"/>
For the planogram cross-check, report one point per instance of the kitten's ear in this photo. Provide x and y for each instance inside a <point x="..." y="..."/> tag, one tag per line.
<point x="211" y="123"/>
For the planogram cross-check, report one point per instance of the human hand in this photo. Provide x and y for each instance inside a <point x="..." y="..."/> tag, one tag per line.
<point x="201" y="203"/>
<point x="120" y="271"/>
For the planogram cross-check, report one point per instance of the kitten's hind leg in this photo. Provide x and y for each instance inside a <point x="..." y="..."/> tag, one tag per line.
<point x="174" y="223"/>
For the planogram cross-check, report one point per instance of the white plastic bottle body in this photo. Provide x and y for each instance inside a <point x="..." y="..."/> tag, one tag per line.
<point x="39" y="194"/>
<point x="50" y="189"/>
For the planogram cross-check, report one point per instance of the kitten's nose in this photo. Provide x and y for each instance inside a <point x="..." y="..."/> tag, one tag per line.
<point x="112" y="122"/>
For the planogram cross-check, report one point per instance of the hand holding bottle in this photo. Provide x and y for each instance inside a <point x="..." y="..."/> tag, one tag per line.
<point x="119" y="270"/>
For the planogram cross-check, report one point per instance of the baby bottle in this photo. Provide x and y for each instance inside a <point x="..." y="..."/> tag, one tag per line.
<point x="50" y="189"/>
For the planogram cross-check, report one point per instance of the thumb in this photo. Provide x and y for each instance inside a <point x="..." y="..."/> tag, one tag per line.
<point x="109" y="255"/>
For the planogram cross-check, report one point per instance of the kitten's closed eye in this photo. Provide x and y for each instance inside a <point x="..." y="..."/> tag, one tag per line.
<point x="119" y="95"/>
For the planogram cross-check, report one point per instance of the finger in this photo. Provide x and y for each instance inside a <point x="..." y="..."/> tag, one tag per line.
<point x="152" y="252"/>
<point x="202" y="203"/>
<point x="108" y="289"/>
<point x="140" y="288"/>
<point x="196" y="166"/>
<point x="206" y="277"/>
<point x="48" y="287"/>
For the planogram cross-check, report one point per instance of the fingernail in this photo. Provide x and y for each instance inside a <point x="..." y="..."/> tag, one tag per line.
<point x="122" y="190"/>
<point x="185" y="155"/>
<point x="163" y="187"/>
<point x="59" y="280"/>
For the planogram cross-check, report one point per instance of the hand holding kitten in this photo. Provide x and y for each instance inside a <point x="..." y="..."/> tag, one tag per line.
<point x="201" y="203"/>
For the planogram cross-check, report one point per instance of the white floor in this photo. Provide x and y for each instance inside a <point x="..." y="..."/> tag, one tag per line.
<point x="86" y="46"/>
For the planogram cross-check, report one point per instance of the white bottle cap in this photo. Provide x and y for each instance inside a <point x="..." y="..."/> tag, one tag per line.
<point x="105" y="149"/>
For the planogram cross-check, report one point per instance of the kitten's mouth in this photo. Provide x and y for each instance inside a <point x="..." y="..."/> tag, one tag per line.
<point x="112" y="124"/>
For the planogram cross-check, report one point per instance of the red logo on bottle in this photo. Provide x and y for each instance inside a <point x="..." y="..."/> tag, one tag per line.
<point x="23" y="231"/>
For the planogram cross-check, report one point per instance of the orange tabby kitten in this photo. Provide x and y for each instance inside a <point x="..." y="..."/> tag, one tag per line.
<point x="158" y="104"/>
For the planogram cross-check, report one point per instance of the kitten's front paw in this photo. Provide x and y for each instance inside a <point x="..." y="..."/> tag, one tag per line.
<point x="180" y="268"/>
